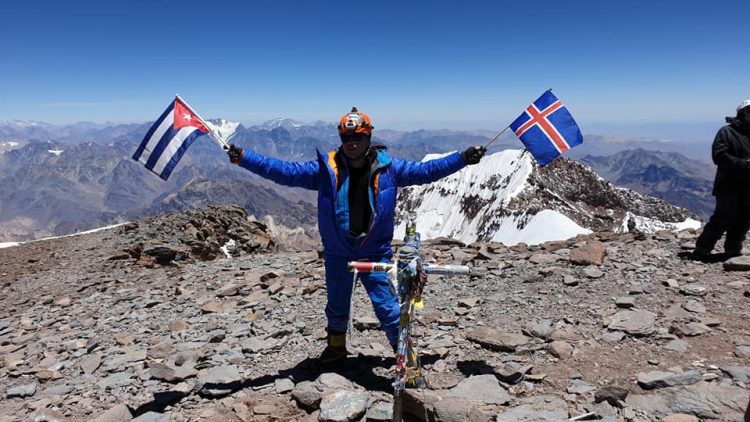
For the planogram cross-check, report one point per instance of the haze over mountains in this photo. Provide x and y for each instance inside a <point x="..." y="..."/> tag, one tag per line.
<point x="57" y="180"/>
<point x="666" y="175"/>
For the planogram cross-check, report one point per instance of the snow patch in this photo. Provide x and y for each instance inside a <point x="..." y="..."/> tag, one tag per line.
<point x="544" y="226"/>
<point x="650" y="225"/>
<point x="11" y="244"/>
<point x="55" y="151"/>
<point x="228" y="248"/>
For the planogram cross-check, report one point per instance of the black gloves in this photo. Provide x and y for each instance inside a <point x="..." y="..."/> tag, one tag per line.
<point x="472" y="155"/>
<point x="235" y="154"/>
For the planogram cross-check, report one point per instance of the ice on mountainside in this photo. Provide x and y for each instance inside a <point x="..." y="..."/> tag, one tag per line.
<point x="507" y="198"/>
<point x="281" y="122"/>
<point x="224" y="128"/>
<point x="288" y="123"/>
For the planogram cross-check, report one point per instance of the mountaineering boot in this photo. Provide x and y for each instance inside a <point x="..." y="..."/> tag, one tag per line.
<point x="700" y="254"/>
<point x="732" y="252"/>
<point x="334" y="355"/>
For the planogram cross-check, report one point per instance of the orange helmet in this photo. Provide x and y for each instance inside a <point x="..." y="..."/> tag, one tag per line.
<point x="355" y="122"/>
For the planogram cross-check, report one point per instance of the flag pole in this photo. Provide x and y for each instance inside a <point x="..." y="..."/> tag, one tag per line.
<point x="496" y="136"/>
<point x="222" y="143"/>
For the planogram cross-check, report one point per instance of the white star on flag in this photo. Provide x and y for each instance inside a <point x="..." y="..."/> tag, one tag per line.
<point x="187" y="116"/>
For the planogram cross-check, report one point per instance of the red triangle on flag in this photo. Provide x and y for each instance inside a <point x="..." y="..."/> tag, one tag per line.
<point x="184" y="117"/>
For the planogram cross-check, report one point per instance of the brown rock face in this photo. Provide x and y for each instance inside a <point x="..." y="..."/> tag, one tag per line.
<point x="591" y="253"/>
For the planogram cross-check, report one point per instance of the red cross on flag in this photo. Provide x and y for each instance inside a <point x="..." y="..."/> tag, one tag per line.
<point x="547" y="128"/>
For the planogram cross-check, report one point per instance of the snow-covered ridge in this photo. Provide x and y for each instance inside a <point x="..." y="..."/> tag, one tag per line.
<point x="224" y="128"/>
<point x="23" y="123"/>
<point x="7" y="146"/>
<point x="452" y="206"/>
<point x="507" y="198"/>
<point x="290" y="123"/>
<point x="281" y="122"/>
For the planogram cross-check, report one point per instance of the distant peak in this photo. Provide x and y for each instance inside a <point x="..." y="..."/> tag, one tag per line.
<point x="287" y="123"/>
<point x="284" y="122"/>
<point x="225" y="128"/>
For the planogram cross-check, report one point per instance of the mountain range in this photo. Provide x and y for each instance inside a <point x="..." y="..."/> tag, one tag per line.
<point x="666" y="175"/>
<point x="59" y="180"/>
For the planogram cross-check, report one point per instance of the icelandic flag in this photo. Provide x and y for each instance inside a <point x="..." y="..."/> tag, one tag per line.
<point x="169" y="137"/>
<point x="547" y="128"/>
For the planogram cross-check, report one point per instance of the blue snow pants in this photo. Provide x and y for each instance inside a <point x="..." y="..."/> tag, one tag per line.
<point x="339" y="283"/>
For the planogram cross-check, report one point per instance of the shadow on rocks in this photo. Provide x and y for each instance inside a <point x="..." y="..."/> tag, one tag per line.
<point x="707" y="259"/>
<point x="360" y="371"/>
<point x="159" y="403"/>
<point x="357" y="370"/>
<point x="478" y="367"/>
<point x="161" y="400"/>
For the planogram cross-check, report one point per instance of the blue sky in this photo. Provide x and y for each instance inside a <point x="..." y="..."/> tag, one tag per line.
<point x="432" y="64"/>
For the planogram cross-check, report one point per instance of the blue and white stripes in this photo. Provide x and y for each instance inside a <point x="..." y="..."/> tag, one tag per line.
<point x="165" y="142"/>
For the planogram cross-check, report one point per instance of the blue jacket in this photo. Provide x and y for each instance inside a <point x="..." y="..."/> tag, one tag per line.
<point x="329" y="176"/>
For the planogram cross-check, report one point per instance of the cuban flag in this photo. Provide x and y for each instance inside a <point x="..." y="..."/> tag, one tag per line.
<point x="169" y="137"/>
<point x="547" y="128"/>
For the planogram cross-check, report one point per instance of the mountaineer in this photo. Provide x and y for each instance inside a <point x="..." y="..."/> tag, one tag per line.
<point x="357" y="189"/>
<point x="731" y="154"/>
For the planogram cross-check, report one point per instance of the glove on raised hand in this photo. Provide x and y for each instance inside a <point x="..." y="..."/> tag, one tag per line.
<point x="235" y="154"/>
<point x="472" y="155"/>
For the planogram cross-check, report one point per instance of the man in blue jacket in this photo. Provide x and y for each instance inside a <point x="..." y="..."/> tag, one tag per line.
<point x="357" y="190"/>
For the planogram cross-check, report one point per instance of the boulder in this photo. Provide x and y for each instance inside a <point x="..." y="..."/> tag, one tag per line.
<point x="484" y="388"/>
<point x="590" y="253"/>
<point x="343" y="405"/>
<point x="498" y="340"/>
<point x="638" y="323"/>
<point x="659" y="379"/>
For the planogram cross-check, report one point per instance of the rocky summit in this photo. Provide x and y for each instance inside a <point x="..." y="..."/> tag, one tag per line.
<point x="199" y="316"/>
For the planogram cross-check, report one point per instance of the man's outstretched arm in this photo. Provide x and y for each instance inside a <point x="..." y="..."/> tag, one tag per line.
<point x="417" y="173"/>
<point x="288" y="173"/>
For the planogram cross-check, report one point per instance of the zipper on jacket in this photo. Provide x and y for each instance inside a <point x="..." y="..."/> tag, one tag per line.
<point x="373" y="195"/>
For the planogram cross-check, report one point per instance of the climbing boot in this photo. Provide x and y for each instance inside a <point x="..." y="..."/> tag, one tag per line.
<point x="701" y="255"/>
<point x="334" y="355"/>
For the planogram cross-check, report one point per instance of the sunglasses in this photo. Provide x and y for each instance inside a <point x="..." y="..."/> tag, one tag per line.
<point x="355" y="137"/>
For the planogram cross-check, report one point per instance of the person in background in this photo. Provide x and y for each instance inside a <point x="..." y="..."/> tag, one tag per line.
<point x="357" y="189"/>
<point x="731" y="154"/>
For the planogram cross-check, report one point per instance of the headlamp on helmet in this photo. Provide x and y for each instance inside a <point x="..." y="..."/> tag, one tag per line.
<point x="355" y="122"/>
